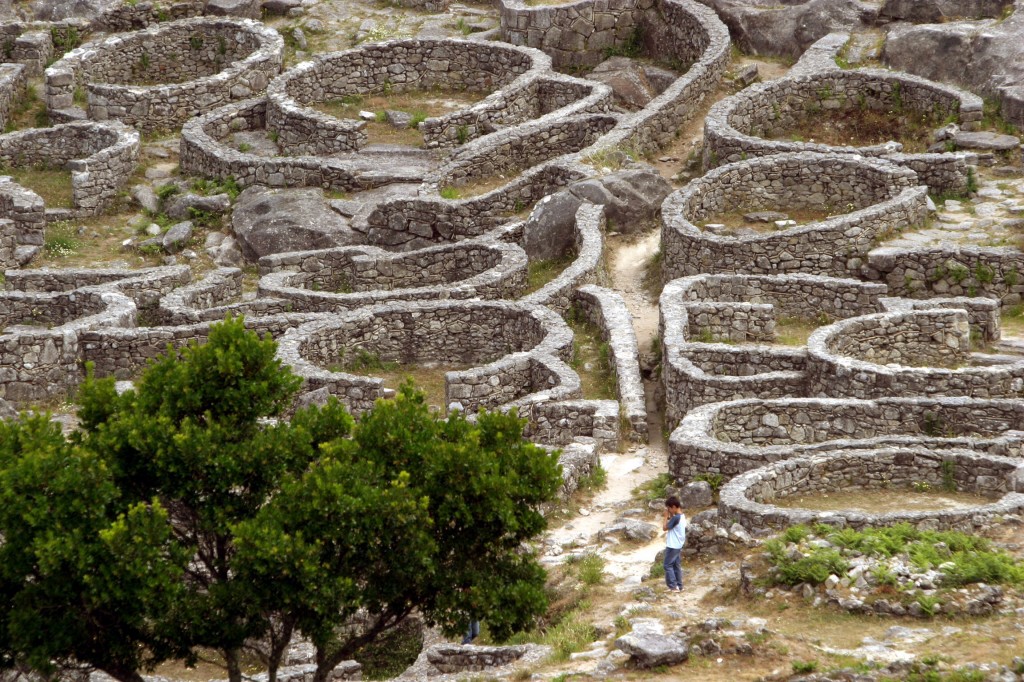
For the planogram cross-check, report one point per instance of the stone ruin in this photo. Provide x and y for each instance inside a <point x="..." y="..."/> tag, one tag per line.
<point x="907" y="371"/>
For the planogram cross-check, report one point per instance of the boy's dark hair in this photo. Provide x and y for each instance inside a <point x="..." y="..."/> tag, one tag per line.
<point x="673" y="502"/>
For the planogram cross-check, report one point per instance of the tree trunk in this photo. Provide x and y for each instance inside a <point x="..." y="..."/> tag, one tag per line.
<point x="278" y="645"/>
<point x="234" y="665"/>
<point x="122" y="675"/>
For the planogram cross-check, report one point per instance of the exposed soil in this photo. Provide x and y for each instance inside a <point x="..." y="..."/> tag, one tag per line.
<point x="855" y="127"/>
<point x="420" y="104"/>
<point x="734" y="224"/>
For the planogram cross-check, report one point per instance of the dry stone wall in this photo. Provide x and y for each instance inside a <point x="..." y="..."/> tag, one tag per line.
<point x="41" y="349"/>
<point x="350" y="277"/>
<point x="747" y="498"/>
<point x="872" y="197"/>
<point x="729" y="438"/>
<point x="100" y="157"/>
<point x="697" y="370"/>
<point x="740" y="126"/>
<point x="606" y="310"/>
<point x="23" y="216"/>
<point x="882" y="355"/>
<point x="12" y="85"/>
<point x="203" y="152"/>
<point x="157" y="78"/>
<point x="394" y="66"/>
<point x="993" y="272"/>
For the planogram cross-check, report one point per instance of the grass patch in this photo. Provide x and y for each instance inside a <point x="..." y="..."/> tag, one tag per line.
<point x="60" y="240"/>
<point x="589" y="568"/>
<point x="854" y="124"/>
<point x="427" y="377"/>
<point x="794" y="331"/>
<point x="1012" y="320"/>
<point x="589" y="350"/>
<point x="420" y="104"/>
<point x="542" y="272"/>
<point x="654" y="278"/>
<point x="29" y="111"/>
<point x="564" y="627"/>
<point x="54" y="186"/>
<point x="488" y="183"/>
<point x="653" y="489"/>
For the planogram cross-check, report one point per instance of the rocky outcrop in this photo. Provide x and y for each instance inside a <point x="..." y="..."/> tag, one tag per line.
<point x="787" y="29"/>
<point x="268" y="221"/>
<point x="649" y="646"/>
<point x="986" y="56"/>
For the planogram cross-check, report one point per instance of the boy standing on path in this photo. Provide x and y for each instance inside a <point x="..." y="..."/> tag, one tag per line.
<point x="675" y="538"/>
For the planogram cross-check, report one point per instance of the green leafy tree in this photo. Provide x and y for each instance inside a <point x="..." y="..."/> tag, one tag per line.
<point x="85" y="577"/>
<point x="413" y="513"/>
<point x="194" y="435"/>
<point x="187" y="513"/>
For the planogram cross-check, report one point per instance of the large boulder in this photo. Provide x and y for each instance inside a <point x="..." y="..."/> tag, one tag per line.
<point x="550" y="231"/>
<point x="629" y="529"/>
<point x="267" y="221"/>
<point x="631" y="198"/>
<point x="931" y="11"/>
<point x="649" y="647"/>
<point x="786" y="29"/>
<point x="628" y="81"/>
<point x="180" y="206"/>
<point x="59" y="10"/>
<point x="986" y="57"/>
<point x="248" y="9"/>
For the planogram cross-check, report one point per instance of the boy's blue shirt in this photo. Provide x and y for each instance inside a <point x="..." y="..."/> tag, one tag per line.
<point x="675" y="537"/>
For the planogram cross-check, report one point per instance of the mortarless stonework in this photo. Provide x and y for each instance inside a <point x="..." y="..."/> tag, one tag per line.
<point x="695" y="311"/>
<point x="873" y="195"/>
<point x="100" y="156"/>
<point x="355" y="276"/>
<point x="738" y="127"/>
<point x="395" y="66"/>
<point x="888" y="354"/>
<point x="729" y="438"/>
<point x="747" y="498"/>
<point x="158" y="78"/>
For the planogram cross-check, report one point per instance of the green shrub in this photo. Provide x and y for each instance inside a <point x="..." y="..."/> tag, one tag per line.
<point x="590" y="569"/>
<point x="814" y="568"/>
<point x="804" y="667"/>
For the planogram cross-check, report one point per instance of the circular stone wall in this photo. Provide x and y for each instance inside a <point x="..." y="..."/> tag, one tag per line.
<point x="748" y="498"/>
<point x="904" y="353"/>
<point x="391" y="67"/>
<point x="158" y="78"/>
<point x="351" y="277"/>
<point x="872" y="196"/>
<point x="522" y="347"/>
<point x="739" y="126"/>
<point x="730" y="438"/>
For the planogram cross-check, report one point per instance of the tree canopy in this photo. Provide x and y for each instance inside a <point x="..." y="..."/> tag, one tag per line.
<point x="188" y="512"/>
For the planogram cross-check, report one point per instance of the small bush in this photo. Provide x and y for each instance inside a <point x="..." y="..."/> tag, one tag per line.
<point x="597" y="479"/>
<point x="590" y="569"/>
<point x="449" y="193"/>
<point x="804" y="667"/>
<point x="61" y="240"/>
<point x="654" y="489"/>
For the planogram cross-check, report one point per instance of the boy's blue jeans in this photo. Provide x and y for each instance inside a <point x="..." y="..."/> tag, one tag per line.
<point x="673" y="568"/>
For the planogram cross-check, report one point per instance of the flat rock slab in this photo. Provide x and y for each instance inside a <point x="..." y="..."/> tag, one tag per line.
<point x="267" y="221"/>
<point x="649" y="647"/>
<point x="629" y="529"/>
<point x="988" y="141"/>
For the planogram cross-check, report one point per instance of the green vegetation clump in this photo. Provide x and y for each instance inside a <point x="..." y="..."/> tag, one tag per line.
<point x="966" y="559"/>
<point x="186" y="516"/>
